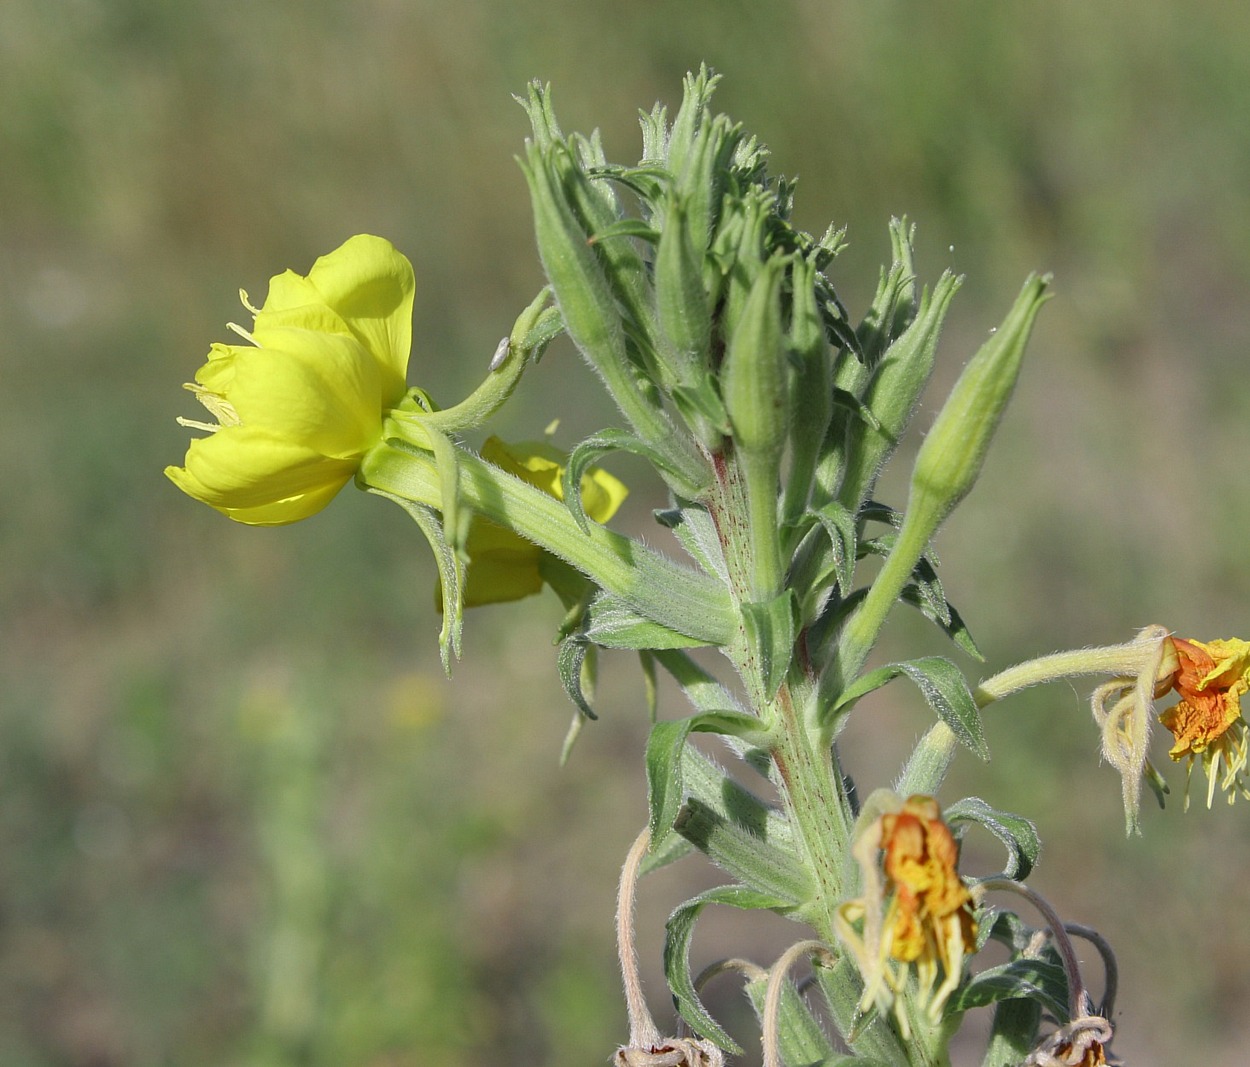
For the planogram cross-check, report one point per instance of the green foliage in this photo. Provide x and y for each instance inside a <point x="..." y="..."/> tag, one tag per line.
<point x="157" y="155"/>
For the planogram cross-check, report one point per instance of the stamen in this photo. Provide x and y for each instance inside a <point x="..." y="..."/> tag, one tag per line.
<point x="218" y="406"/>
<point x="242" y="333"/>
<point x="243" y="299"/>
<point x="192" y="424"/>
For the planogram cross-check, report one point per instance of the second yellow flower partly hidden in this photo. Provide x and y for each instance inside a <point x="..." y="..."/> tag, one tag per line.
<point x="503" y="565"/>
<point x="299" y="404"/>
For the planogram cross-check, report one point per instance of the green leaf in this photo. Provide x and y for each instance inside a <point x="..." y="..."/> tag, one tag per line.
<point x="875" y="1038"/>
<point x="1032" y="979"/>
<point x="695" y="529"/>
<point x="748" y="856"/>
<point x="1017" y="833"/>
<point x="679" y="931"/>
<point x="702" y="689"/>
<point x="802" y="1040"/>
<point x="612" y="623"/>
<point x="430" y="523"/>
<point x="947" y="619"/>
<point x="770" y="632"/>
<point x="593" y="448"/>
<point x="704" y="781"/>
<point x="665" y="747"/>
<point x="839" y="524"/>
<point x="675" y="847"/>
<point x="944" y="688"/>
<point x="1014" y="1032"/>
<point x="572" y="658"/>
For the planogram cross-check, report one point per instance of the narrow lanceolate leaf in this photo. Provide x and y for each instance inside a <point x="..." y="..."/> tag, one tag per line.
<point x="1039" y="980"/>
<point x="801" y="1038"/>
<point x="593" y="448"/>
<point x="746" y="855"/>
<point x="871" y="1036"/>
<point x="702" y="689"/>
<point x="838" y="565"/>
<point x="430" y="523"/>
<point x="946" y="619"/>
<point x="666" y="746"/>
<point x="570" y="664"/>
<point x="944" y="688"/>
<point x="1018" y="835"/>
<point x="708" y="784"/>
<point x="1013" y="1033"/>
<point x="609" y="621"/>
<point x="680" y="930"/>
<point x="695" y="529"/>
<point x="770" y="632"/>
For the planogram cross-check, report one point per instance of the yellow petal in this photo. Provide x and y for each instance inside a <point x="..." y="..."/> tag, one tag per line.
<point x="256" y="478"/>
<point x="369" y="285"/>
<point x="321" y="390"/>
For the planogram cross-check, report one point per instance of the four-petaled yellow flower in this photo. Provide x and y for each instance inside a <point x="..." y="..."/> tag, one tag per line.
<point x="921" y="917"/>
<point x="1208" y="723"/>
<point x="503" y="565"/>
<point x="298" y="406"/>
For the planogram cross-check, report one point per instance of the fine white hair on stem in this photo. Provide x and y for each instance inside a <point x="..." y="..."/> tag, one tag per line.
<point x="772" y="998"/>
<point x="642" y="1029"/>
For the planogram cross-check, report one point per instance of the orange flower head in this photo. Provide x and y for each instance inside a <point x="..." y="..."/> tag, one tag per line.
<point x="930" y="919"/>
<point x="916" y="914"/>
<point x="1207" y="723"/>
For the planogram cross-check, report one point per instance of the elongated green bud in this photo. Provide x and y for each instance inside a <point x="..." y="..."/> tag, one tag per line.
<point x="894" y="304"/>
<point x="811" y="391"/>
<point x="892" y="394"/>
<point x="950" y="460"/>
<point x="592" y="317"/>
<point x="745" y="257"/>
<point x="947" y="466"/>
<point x="683" y="315"/>
<point x="754" y="376"/>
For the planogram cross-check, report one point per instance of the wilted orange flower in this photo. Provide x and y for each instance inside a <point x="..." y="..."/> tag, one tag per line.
<point x="922" y="915"/>
<point x="930" y="917"/>
<point x="1207" y="722"/>
<point x="1081" y="1043"/>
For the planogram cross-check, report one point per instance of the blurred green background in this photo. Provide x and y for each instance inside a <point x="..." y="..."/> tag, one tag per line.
<point x="243" y="818"/>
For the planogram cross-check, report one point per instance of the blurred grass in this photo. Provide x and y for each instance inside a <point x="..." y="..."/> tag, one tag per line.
<point x="242" y="817"/>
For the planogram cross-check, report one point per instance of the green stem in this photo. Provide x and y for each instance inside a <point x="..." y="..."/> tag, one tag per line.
<point x="664" y="591"/>
<point x="811" y="789"/>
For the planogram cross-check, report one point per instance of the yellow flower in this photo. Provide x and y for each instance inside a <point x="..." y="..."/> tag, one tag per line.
<point x="928" y="922"/>
<point x="1207" y="723"/>
<point x="297" y="407"/>
<point x="503" y="565"/>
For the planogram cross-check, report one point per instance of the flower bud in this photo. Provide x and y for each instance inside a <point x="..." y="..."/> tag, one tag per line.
<point x="591" y="317"/>
<point x="682" y="312"/>
<point x="892" y="393"/>
<point x="754" y="375"/>
<point x="949" y="462"/>
<point x="812" y="388"/>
